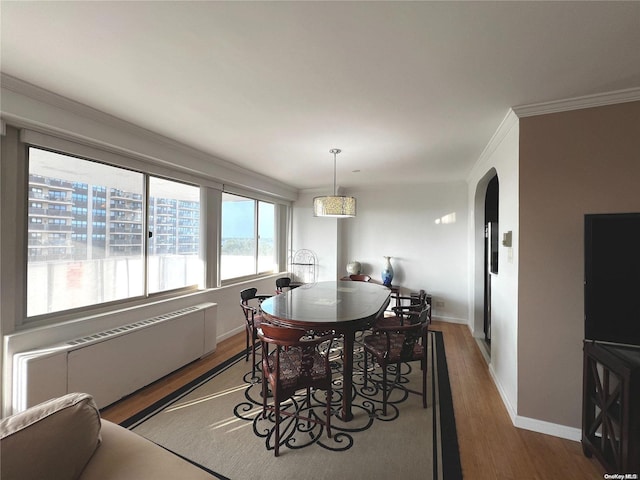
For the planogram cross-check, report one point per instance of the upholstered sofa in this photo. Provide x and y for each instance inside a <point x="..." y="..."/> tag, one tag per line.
<point x="65" y="439"/>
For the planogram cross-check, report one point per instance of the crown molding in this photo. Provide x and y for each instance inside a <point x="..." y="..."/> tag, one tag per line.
<point x="577" y="103"/>
<point x="515" y="113"/>
<point x="481" y="165"/>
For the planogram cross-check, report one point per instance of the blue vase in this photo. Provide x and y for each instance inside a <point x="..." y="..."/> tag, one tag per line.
<point x="387" y="272"/>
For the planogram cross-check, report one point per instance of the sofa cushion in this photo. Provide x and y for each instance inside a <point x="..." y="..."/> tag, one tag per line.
<point x="125" y="455"/>
<point x="54" y="439"/>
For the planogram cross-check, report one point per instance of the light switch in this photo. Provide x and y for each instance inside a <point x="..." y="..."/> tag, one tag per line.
<point x="506" y="239"/>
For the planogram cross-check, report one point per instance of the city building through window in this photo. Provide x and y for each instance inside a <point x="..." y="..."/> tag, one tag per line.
<point x="95" y="238"/>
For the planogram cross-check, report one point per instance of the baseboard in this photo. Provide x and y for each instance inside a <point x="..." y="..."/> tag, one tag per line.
<point x="533" y="424"/>
<point x="548" y="428"/>
<point x="505" y="400"/>
<point x="484" y="350"/>
<point x="231" y="333"/>
<point x="439" y="318"/>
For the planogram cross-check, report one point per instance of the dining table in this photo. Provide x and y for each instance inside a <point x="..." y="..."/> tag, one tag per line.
<point x="341" y="306"/>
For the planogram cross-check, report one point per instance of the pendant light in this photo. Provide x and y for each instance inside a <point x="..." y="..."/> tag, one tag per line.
<point x="336" y="206"/>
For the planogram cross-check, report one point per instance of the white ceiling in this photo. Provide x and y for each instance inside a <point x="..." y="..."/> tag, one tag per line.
<point x="410" y="91"/>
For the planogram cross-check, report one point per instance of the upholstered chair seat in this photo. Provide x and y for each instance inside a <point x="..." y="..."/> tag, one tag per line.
<point x="290" y="372"/>
<point x="293" y="360"/>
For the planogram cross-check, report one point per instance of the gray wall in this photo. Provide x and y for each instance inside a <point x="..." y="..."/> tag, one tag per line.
<point x="571" y="163"/>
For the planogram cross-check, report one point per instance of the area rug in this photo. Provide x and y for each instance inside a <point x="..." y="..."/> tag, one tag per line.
<point x="216" y="422"/>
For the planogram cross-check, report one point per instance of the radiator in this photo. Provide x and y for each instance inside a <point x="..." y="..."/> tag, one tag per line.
<point x="114" y="363"/>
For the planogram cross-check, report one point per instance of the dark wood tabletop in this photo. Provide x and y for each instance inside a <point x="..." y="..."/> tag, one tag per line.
<point x="345" y="307"/>
<point x="327" y="304"/>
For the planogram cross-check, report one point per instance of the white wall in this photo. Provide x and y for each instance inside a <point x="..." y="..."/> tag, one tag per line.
<point x="501" y="158"/>
<point x="319" y="235"/>
<point x="399" y="222"/>
<point x="423" y="228"/>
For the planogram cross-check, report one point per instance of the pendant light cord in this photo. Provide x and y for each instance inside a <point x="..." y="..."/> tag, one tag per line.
<point x="334" y="173"/>
<point x="335" y="152"/>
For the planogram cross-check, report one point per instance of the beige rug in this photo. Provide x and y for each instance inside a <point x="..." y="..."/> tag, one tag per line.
<point x="217" y="423"/>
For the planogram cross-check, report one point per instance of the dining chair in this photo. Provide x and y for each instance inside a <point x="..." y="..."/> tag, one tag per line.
<point x="421" y="298"/>
<point x="291" y="361"/>
<point x="282" y="283"/>
<point x="360" y="278"/>
<point x="397" y="344"/>
<point x="253" y="320"/>
<point x="401" y="311"/>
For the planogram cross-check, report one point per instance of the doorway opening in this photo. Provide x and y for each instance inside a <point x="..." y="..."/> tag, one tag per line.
<point x="491" y="229"/>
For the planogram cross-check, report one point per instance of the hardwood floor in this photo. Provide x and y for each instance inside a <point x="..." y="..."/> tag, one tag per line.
<point x="490" y="446"/>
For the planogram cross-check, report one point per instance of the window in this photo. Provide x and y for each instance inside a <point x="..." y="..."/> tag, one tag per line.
<point x="238" y="252"/>
<point x="248" y="240"/>
<point x="174" y="260"/>
<point x="266" y="237"/>
<point x="88" y="241"/>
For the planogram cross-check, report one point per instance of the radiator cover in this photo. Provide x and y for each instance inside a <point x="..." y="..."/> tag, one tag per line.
<point x="112" y="364"/>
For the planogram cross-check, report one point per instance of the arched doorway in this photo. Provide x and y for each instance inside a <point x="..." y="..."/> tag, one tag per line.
<point x="491" y="229"/>
<point x="485" y="233"/>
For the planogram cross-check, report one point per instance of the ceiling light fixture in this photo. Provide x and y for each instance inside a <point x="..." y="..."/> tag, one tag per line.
<point x="337" y="206"/>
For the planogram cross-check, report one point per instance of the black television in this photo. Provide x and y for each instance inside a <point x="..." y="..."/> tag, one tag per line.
<point x="612" y="278"/>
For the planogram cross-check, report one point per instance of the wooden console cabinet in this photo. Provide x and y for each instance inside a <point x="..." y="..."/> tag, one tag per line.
<point x="611" y="406"/>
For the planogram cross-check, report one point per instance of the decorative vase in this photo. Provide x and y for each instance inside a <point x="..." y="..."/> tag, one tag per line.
<point x="387" y="271"/>
<point x="354" y="268"/>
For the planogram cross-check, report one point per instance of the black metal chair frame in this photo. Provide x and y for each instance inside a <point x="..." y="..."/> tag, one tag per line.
<point x="413" y="328"/>
<point x="281" y="283"/>
<point x="402" y="312"/>
<point x="253" y="319"/>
